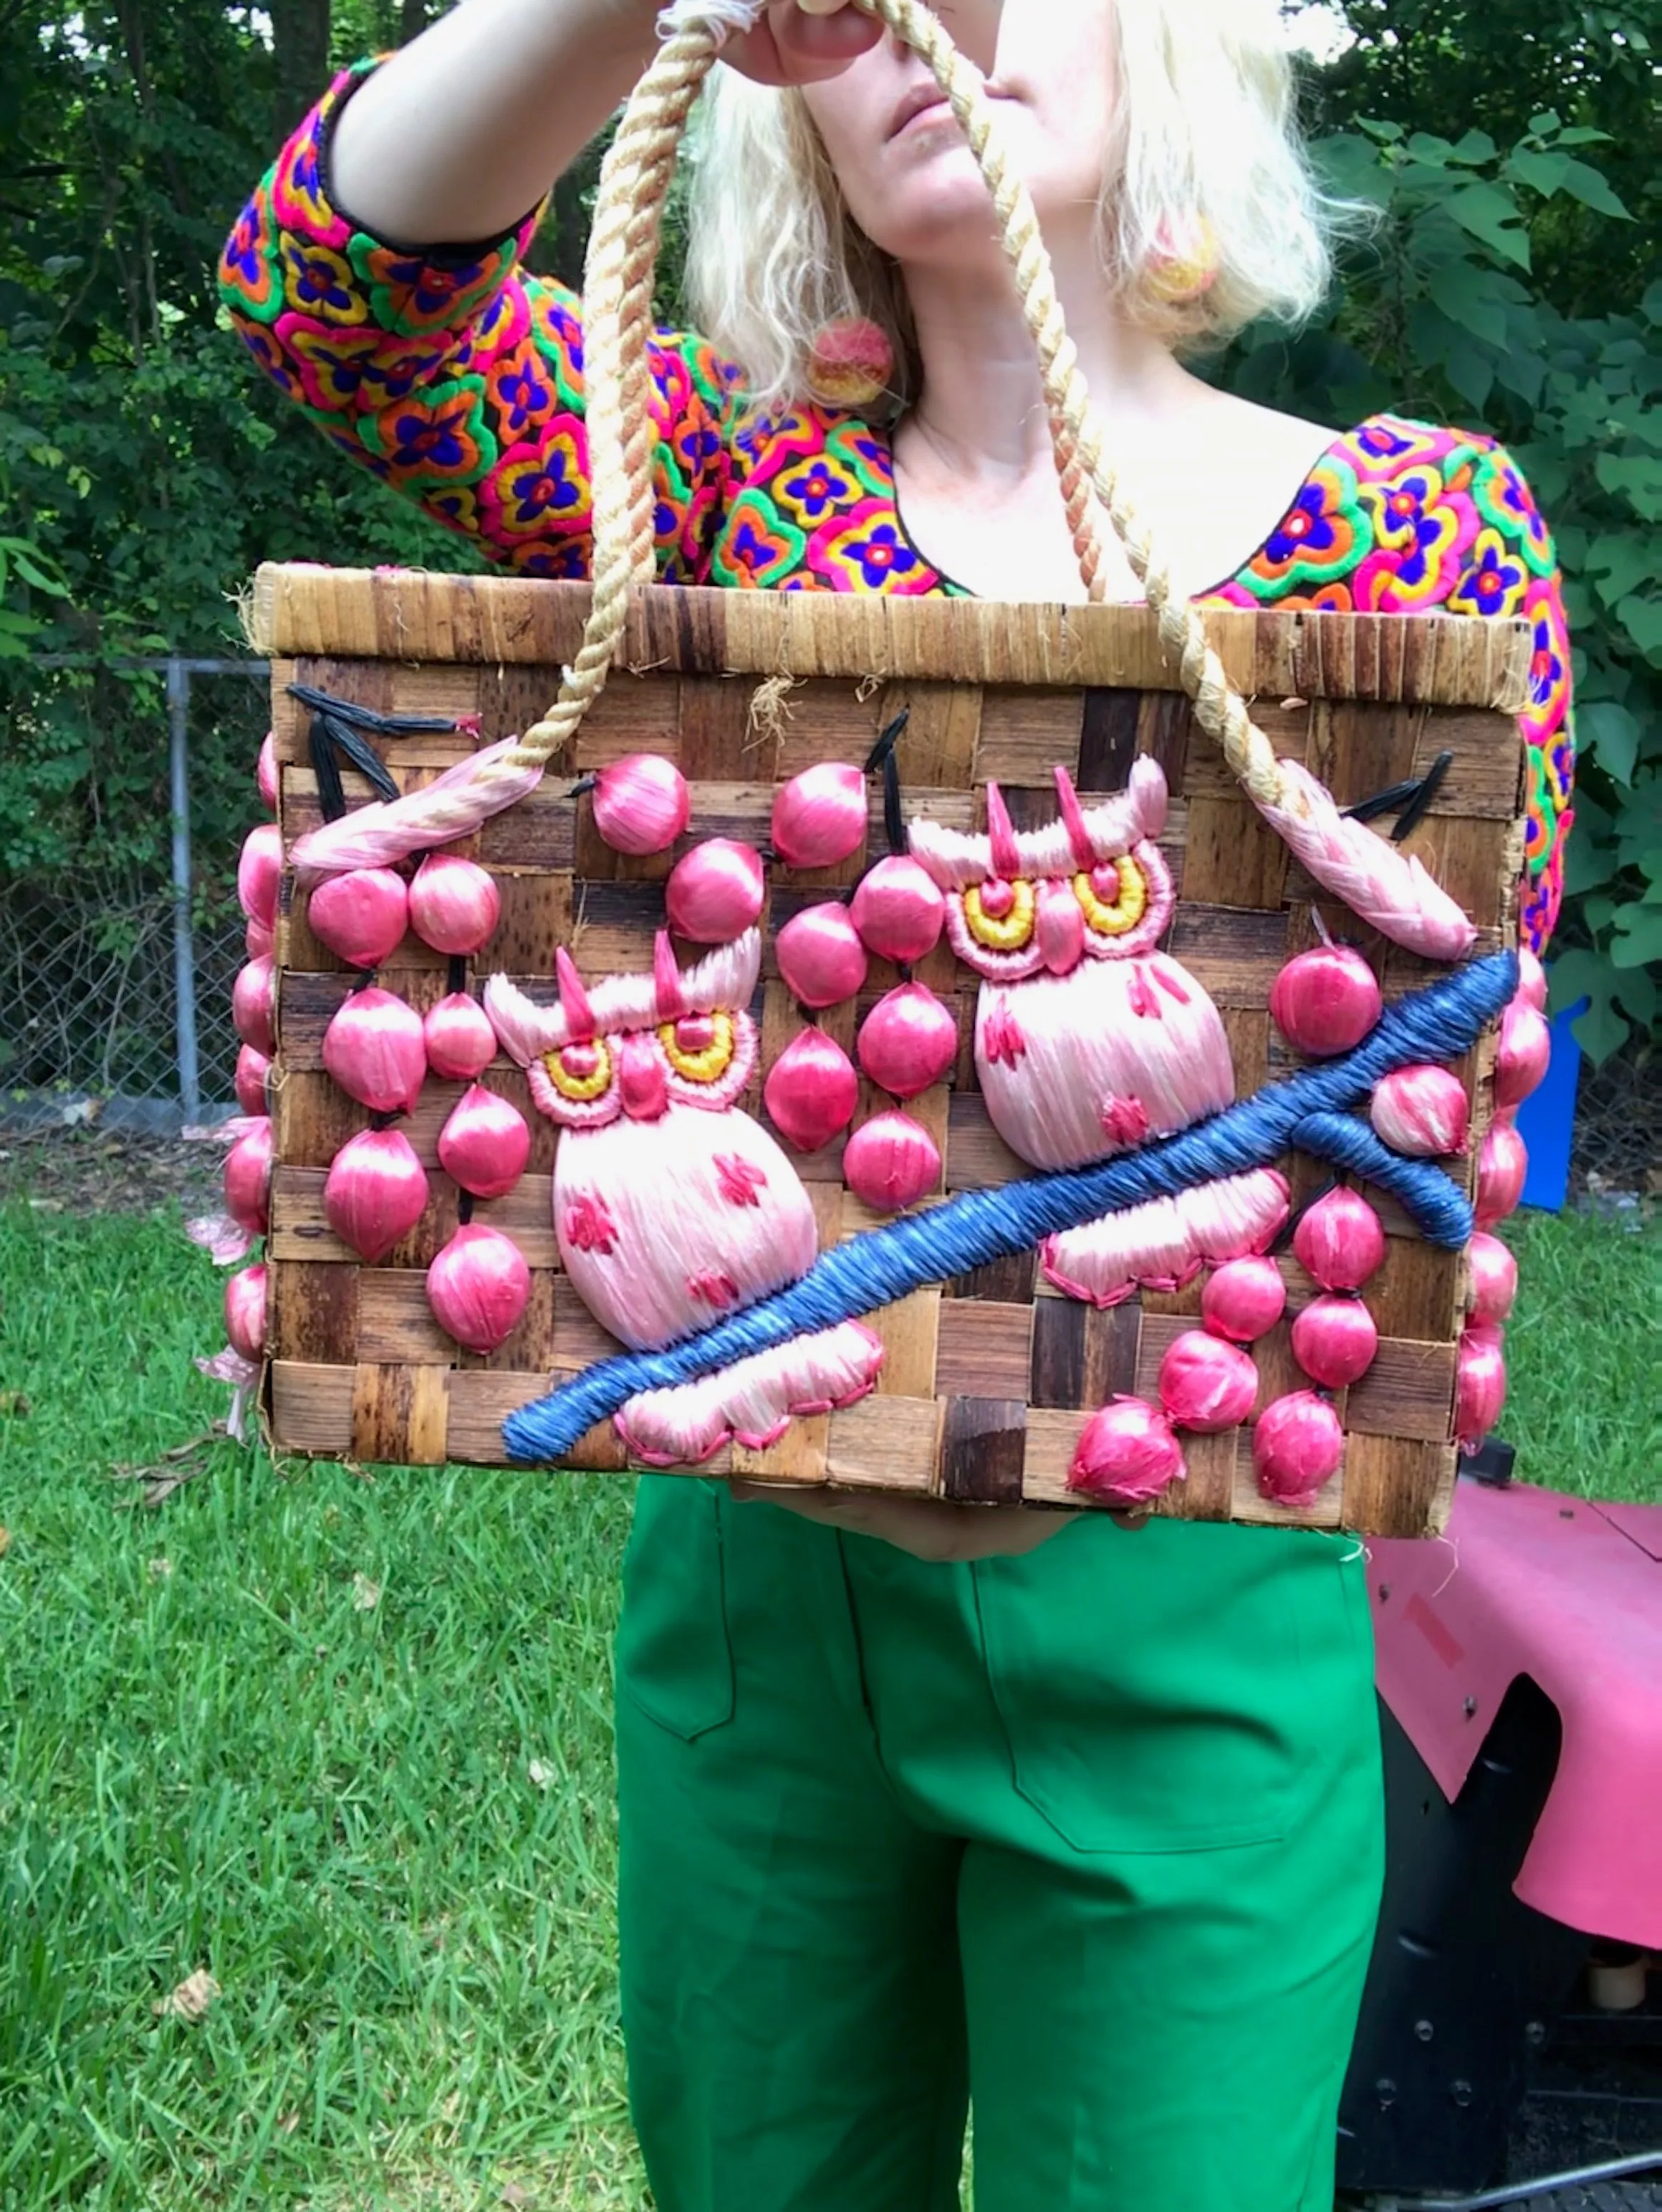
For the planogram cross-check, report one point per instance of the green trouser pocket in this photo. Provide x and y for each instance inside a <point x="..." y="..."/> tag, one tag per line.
<point x="1182" y="1689"/>
<point x="673" y="1655"/>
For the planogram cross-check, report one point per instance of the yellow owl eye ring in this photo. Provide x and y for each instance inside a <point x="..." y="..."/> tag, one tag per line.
<point x="1001" y="933"/>
<point x="1116" y="917"/>
<point x="580" y="1073"/>
<point x="698" y="1062"/>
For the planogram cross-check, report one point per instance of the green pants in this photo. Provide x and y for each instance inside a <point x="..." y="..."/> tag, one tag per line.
<point x="1090" y="1838"/>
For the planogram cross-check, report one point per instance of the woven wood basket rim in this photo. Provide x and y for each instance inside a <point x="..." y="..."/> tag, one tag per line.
<point x="300" y="609"/>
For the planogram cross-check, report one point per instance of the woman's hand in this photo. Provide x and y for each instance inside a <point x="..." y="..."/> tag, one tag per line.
<point x="924" y="1527"/>
<point x="803" y="41"/>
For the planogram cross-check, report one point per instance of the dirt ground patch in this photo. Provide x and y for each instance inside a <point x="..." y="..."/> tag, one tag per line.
<point x="89" y="1170"/>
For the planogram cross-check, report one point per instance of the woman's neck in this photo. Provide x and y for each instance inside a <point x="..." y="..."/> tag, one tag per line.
<point x="981" y="415"/>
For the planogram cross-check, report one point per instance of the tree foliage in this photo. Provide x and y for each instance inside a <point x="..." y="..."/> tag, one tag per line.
<point x="1510" y="153"/>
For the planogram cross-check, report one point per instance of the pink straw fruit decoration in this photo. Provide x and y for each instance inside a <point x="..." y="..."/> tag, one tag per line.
<point x="478" y="1288"/>
<point x="1126" y="1456"/>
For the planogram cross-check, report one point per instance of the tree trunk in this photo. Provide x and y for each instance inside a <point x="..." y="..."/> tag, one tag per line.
<point x="300" y="33"/>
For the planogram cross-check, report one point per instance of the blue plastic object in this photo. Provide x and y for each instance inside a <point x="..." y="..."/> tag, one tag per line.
<point x="1546" y="1121"/>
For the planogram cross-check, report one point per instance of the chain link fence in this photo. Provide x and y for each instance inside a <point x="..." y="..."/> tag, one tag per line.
<point x="115" y="989"/>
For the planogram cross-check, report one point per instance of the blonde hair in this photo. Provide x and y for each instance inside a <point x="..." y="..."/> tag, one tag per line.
<point x="1204" y="150"/>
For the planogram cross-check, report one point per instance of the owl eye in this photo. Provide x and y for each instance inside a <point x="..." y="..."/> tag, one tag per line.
<point x="580" y="1073"/>
<point x="999" y="914"/>
<point x="699" y="1047"/>
<point x="1114" y="896"/>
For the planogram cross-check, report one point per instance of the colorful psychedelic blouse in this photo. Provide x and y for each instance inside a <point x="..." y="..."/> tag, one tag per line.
<point x="457" y="377"/>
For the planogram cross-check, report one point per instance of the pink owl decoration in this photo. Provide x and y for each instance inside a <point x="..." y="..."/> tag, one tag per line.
<point x="671" y="1206"/>
<point x="1088" y="1039"/>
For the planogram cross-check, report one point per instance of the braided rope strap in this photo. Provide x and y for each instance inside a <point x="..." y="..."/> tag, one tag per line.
<point x="1383" y="885"/>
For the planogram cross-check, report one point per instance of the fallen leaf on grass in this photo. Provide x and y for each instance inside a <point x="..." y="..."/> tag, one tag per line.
<point x="190" y="2000"/>
<point x="366" y="1594"/>
<point x="514" y="2194"/>
<point x="159" y="1569"/>
<point x="5" y="1541"/>
<point x="13" y="1402"/>
<point x="540" y="1777"/>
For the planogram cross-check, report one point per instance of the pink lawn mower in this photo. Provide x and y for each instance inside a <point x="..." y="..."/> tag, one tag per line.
<point x="1510" y="2047"/>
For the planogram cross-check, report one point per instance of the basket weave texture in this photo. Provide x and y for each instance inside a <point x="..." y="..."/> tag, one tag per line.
<point x="989" y="1379"/>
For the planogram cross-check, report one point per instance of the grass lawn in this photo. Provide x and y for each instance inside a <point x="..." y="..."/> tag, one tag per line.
<point x="346" y="1744"/>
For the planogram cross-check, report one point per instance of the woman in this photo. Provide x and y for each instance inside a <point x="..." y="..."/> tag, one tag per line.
<point x="918" y="1808"/>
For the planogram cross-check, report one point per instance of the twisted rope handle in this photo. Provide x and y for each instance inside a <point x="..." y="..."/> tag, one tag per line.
<point x="618" y="330"/>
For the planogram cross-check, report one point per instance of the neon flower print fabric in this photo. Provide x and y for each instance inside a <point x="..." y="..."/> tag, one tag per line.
<point x="457" y="377"/>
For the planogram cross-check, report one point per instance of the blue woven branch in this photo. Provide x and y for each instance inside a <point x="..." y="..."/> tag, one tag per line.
<point x="883" y="1264"/>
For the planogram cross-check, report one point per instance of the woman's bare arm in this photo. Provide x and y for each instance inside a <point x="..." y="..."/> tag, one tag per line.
<point x="460" y="135"/>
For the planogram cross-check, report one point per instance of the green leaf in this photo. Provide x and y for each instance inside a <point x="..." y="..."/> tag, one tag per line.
<point x="1650" y="306"/>
<point x="1575" y="976"/>
<point x="1584" y="183"/>
<point x="1611" y="732"/>
<point x="1543" y="173"/>
<point x="1582" y="134"/>
<point x="1455" y="288"/>
<point x="1636" y="994"/>
<point x="1621" y="559"/>
<point x="1475" y="147"/>
<point x="1638" y="938"/>
<point x="1642" y="621"/>
<point x="1491" y="216"/>
<point x="1471" y="375"/>
<point x="1545" y="124"/>
<point x="1601" y="1032"/>
<point x="1635" y="477"/>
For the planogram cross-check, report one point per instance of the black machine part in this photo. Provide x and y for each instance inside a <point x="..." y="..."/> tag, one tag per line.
<point x="1463" y="1976"/>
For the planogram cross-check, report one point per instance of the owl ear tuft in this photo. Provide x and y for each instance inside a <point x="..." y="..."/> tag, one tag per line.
<point x="1001" y="831"/>
<point x="574" y="999"/>
<point x="667" y="979"/>
<point x="1072" y="814"/>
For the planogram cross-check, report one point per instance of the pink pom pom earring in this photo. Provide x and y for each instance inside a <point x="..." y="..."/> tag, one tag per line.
<point x="851" y="364"/>
<point x="1184" y="263"/>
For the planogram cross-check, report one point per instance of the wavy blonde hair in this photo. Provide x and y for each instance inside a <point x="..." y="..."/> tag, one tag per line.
<point x="1204" y="146"/>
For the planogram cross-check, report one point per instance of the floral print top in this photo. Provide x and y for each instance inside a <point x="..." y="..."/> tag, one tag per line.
<point x="458" y="377"/>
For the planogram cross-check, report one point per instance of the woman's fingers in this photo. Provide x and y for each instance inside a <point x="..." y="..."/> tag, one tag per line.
<point x="804" y="41"/>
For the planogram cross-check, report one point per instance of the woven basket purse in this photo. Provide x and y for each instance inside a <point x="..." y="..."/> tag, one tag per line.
<point x="1117" y="1232"/>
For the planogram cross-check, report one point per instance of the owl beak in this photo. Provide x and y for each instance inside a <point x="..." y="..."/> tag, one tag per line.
<point x="1059" y="928"/>
<point x="643" y="1087"/>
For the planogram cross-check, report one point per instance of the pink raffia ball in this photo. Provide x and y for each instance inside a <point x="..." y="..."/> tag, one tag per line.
<point x="265" y="772"/>
<point x="899" y="910"/>
<point x="478" y="1287"/>
<point x="1494" y="1277"/>
<point x="812" y="1091"/>
<point x="908" y="1041"/>
<point x="1522" y="1056"/>
<point x="715" y="892"/>
<point x="1502" y="1167"/>
<point x="891" y="1163"/>
<point x="819" y="816"/>
<point x="820" y="956"/>
<point x="244" y="1312"/>
<point x="1422" y="1112"/>
<point x="376" y="1192"/>
<point x="247" y="1179"/>
<point x="1126" y="1456"/>
<point x="1206" y="1384"/>
<point x="460" y="1040"/>
<point x="1325" y="1001"/>
<point x="1340" y="1241"/>
<point x="254" y="1005"/>
<point x="375" y="1051"/>
<point x="362" y="915"/>
<point x="1243" y="1300"/>
<point x="485" y="1145"/>
<point x="641" y="803"/>
<point x="252" y="1068"/>
<point x="1531" y="979"/>
<point x="260" y="874"/>
<point x="1335" y="1342"/>
<point x="454" y="905"/>
<point x="1479" y="1386"/>
<point x="1298" y="1447"/>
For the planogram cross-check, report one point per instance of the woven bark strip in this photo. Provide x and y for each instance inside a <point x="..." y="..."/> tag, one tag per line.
<point x="990" y="1378"/>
